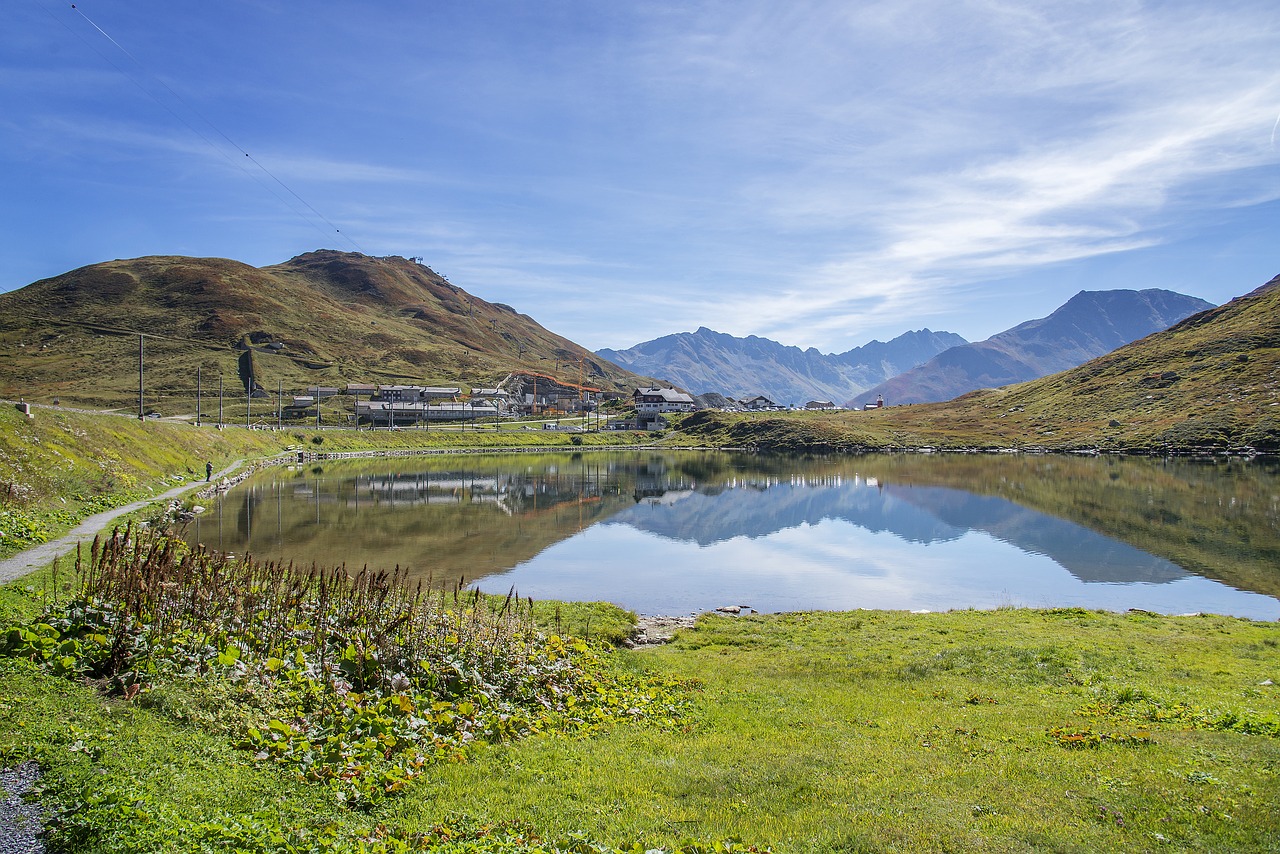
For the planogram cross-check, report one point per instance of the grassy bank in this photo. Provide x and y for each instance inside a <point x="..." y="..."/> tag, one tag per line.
<point x="867" y="731"/>
<point x="60" y="467"/>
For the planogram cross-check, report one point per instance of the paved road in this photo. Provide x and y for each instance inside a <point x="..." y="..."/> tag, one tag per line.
<point x="45" y="553"/>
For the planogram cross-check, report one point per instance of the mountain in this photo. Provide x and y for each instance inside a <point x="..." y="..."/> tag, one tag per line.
<point x="1090" y="324"/>
<point x="1211" y="380"/>
<point x="322" y="318"/>
<point x="709" y="361"/>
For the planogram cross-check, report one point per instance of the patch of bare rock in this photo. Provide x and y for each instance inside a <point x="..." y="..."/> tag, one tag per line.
<point x="651" y="631"/>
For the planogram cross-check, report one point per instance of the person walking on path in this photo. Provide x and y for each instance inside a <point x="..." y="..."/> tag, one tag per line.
<point x="208" y="472"/>
<point x="45" y="553"/>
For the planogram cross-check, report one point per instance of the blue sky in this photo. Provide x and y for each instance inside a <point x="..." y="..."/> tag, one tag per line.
<point x="820" y="173"/>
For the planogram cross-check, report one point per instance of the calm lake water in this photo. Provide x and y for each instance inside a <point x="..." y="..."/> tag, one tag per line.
<point x="673" y="533"/>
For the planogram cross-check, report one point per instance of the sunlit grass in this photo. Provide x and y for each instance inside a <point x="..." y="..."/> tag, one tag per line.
<point x="862" y="731"/>
<point x="890" y="731"/>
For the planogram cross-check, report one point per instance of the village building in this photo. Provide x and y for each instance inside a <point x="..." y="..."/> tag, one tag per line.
<point x="417" y="413"/>
<point x="650" y="400"/>
<point x="757" y="403"/>
<point x="320" y="392"/>
<point x="650" y="422"/>
<point x="300" y="406"/>
<point x="415" y="393"/>
<point x="495" y="397"/>
<point x="490" y="394"/>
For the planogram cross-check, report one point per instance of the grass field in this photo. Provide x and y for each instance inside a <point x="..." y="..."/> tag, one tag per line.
<point x="1006" y="730"/>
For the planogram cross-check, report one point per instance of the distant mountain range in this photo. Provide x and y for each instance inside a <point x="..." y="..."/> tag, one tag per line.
<point x="326" y="317"/>
<point x="1090" y="324"/>
<point x="712" y="362"/>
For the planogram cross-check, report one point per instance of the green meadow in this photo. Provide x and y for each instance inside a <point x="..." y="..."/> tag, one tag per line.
<point x="1001" y="730"/>
<point x="178" y="702"/>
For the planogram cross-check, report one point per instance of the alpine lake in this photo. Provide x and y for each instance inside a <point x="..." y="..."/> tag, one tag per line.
<point x="674" y="533"/>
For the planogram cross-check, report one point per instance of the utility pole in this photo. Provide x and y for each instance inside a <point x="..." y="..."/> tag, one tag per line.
<point x="197" y="395"/>
<point x="219" y="401"/>
<point x="248" y="401"/>
<point x="141" y="414"/>
<point x="279" y="401"/>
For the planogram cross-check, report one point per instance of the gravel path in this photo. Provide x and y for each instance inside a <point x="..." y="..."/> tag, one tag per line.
<point x="19" y="821"/>
<point x="45" y="553"/>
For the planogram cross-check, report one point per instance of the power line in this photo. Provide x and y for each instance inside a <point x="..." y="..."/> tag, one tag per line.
<point x="114" y="330"/>
<point x="151" y="94"/>
<point x="191" y="342"/>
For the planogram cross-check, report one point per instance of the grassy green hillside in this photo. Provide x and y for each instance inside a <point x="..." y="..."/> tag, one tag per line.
<point x="60" y="467"/>
<point x="332" y="318"/>
<point x="1211" y="382"/>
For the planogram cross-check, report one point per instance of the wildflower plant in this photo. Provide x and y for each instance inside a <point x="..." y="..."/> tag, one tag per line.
<point x="355" y="681"/>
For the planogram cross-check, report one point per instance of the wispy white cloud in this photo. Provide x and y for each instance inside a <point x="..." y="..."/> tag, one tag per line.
<point x="118" y="138"/>
<point x="1045" y="139"/>
<point x="807" y="170"/>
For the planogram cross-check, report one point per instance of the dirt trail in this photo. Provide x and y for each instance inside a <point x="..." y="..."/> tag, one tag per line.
<point x="45" y="553"/>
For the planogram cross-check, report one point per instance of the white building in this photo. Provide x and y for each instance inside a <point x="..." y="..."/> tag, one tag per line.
<point x="648" y="400"/>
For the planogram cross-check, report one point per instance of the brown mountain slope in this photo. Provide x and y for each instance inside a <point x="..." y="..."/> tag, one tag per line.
<point x="330" y="318"/>
<point x="1088" y="325"/>
<point x="1209" y="382"/>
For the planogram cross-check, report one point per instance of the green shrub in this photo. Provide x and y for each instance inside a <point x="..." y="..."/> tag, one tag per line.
<point x="356" y="683"/>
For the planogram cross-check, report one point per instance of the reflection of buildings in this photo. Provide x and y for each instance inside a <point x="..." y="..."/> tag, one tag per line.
<point x="294" y="499"/>
<point x="486" y="515"/>
<point x="656" y="484"/>
<point x="431" y="488"/>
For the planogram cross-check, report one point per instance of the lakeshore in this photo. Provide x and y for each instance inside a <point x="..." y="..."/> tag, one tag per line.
<point x="865" y="730"/>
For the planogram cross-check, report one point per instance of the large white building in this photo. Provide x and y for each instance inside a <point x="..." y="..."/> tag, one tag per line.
<point x="661" y="400"/>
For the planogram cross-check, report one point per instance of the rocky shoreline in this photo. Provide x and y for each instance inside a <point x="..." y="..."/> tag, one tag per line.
<point x="651" y="631"/>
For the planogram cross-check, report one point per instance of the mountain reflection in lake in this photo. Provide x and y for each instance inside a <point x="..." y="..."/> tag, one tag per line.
<point x="680" y="532"/>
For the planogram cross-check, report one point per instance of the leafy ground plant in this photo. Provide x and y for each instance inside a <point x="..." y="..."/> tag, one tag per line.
<point x="356" y="683"/>
<point x="1008" y="730"/>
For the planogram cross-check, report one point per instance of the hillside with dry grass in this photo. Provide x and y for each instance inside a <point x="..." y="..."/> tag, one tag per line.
<point x="1210" y="382"/>
<point x="322" y="318"/>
